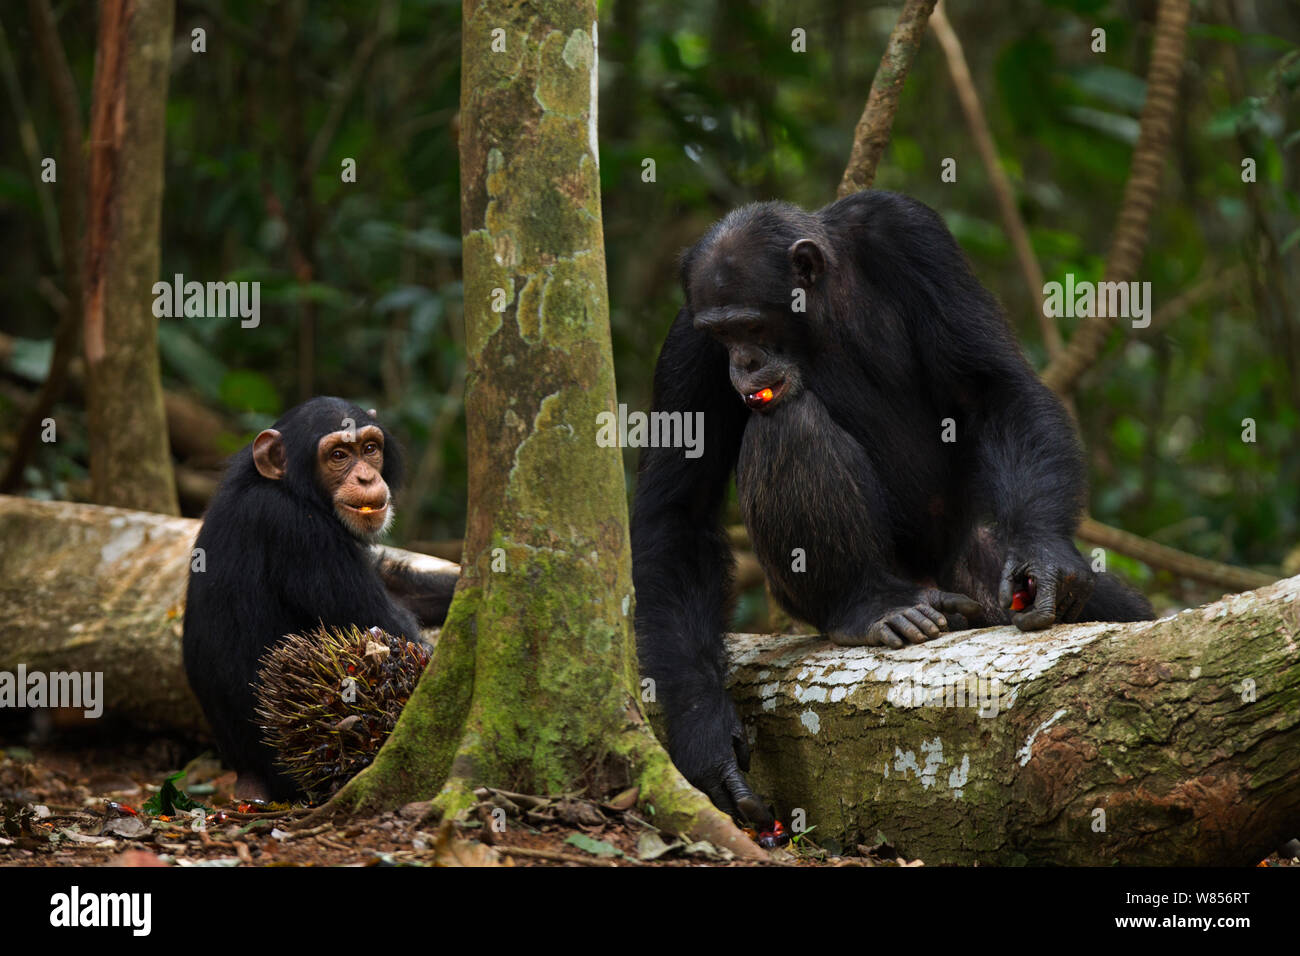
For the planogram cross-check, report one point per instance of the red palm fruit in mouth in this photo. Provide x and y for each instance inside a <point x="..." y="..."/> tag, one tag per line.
<point x="1024" y="598"/>
<point x="761" y="397"/>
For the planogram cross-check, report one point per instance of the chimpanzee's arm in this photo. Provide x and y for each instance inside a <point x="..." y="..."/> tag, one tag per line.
<point x="335" y="580"/>
<point x="426" y="592"/>
<point x="1029" y="465"/>
<point x="1028" y="473"/>
<point x="1014" y="437"/>
<point x="682" y="565"/>
<point x="1029" y="478"/>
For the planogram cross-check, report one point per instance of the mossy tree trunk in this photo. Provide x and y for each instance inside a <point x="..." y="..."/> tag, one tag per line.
<point x="130" y="464"/>
<point x="533" y="684"/>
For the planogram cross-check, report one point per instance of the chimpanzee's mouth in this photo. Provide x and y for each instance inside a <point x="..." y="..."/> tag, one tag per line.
<point x="766" y="397"/>
<point x="367" y="511"/>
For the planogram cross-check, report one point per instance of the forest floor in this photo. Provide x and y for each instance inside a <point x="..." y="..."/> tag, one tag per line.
<point x="64" y="803"/>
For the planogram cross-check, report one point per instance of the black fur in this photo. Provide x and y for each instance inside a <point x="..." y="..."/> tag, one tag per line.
<point x="278" y="561"/>
<point x="897" y="336"/>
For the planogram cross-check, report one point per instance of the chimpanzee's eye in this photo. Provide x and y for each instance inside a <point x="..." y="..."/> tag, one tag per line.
<point x="338" y="454"/>
<point x="370" y="448"/>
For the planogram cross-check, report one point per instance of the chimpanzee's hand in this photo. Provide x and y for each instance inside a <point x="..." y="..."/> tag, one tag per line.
<point x="1044" y="584"/>
<point x="712" y="754"/>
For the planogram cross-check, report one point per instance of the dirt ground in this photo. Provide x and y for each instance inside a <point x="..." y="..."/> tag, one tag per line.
<point x="82" y="803"/>
<point x="63" y="804"/>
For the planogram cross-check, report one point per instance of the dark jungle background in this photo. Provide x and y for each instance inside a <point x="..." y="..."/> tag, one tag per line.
<point x="360" y="284"/>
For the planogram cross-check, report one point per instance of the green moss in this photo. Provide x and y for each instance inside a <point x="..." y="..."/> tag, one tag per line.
<point x="575" y="307"/>
<point x="455" y="798"/>
<point x="482" y="274"/>
<point x="564" y="86"/>
<point x="529" y="312"/>
<point x="546" y="694"/>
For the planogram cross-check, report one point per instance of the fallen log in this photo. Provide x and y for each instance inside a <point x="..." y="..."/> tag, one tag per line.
<point x="89" y="588"/>
<point x="1173" y="741"/>
<point x="94" y="589"/>
<point x="1167" y="742"/>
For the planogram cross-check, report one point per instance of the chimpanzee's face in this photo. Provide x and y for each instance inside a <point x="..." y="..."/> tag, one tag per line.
<point x="755" y="317"/>
<point x="762" y="367"/>
<point x="344" y="465"/>
<point x="350" y="466"/>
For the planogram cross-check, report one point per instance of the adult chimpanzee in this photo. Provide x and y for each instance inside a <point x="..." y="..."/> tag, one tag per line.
<point x="285" y="548"/>
<point x="900" y="468"/>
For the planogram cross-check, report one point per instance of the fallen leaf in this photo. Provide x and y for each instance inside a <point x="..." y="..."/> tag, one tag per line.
<point x="593" y="846"/>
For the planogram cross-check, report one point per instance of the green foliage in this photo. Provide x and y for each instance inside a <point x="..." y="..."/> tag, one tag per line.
<point x="171" y="799"/>
<point x="593" y="846"/>
<point x="244" y="390"/>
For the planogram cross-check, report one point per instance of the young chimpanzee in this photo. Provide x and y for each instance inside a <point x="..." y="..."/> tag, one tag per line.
<point x="285" y="548"/>
<point x="901" y="469"/>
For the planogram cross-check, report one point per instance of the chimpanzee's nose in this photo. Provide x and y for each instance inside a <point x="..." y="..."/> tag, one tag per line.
<point x="748" y="358"/>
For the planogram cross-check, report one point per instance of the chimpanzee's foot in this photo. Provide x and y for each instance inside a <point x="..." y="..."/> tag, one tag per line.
<point x="934" y="613"/>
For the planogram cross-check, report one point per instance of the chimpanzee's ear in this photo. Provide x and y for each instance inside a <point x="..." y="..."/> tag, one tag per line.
<point x="809" y="262"/>
<point x="268" y="454"/>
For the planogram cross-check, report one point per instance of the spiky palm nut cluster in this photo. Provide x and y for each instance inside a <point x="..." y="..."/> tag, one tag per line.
<point x="327" y="700"/>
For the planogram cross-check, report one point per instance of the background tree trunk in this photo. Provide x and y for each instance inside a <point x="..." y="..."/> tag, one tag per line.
<point x="130" y="465"/>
